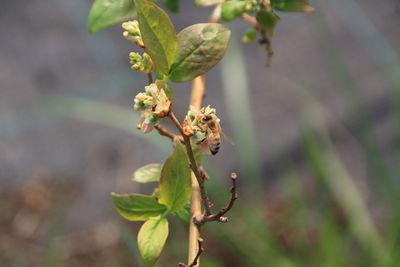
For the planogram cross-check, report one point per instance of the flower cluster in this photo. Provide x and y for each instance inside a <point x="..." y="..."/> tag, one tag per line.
<point x="203" y="125"/>
<point x="132" y="32"/>
<point x="141" y="63"/>
<point x="154" y="104"/>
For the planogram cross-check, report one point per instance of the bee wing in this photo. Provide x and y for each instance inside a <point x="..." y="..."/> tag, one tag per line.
<point x="227" y="138"/>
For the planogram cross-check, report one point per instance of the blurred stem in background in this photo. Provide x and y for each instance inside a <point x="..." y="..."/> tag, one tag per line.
<point x="361" y="119"/>
<point x="237" y="98"/>
<point x="381" y="51"/>
<point x="327" y="166"/>
<point x="364" y="115"/>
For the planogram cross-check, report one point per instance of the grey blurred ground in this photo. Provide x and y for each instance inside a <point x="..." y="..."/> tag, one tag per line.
<point x="45" y="50"/>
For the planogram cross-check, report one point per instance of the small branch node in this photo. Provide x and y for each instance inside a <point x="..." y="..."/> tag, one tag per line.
<point x="223" y="219"/>
<point x="219" y="216"/>
<point x="197" y="220"/>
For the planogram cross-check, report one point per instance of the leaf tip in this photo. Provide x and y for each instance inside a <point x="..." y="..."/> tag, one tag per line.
<point x="90" y="30"/>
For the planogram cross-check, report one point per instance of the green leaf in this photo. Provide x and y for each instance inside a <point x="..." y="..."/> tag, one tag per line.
<point x="175" y="181"/>
<point x="200" y="47"/>
<point x="292" y="5"/>
<point x="267" y="20"/>
<point x="137" y="207"/>
<point x="184" y="213"/>
<point x="151" y="240"/>
<point x="249" y="36"/>
<point x="158" y="34"/>
<point x="147" y="173"/>
<point x="232" y="9"/>
<point x="207" y="2"/>
<point x="172" y="5"/>
<point x="105" y="13"/>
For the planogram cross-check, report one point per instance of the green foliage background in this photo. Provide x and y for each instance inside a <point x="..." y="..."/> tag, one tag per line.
<point x="331" y="199"/>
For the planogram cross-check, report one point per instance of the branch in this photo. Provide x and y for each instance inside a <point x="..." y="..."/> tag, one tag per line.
<point x="253" y="21"/>
<point x="268" y="46"/>
<point x="198" y="91"/>
<point x="193" y="165"/>
<point x="178" y="125"/>
<point x="196" y="98"/>
<point x="216" y="14"/>
<point x="264" y="38"/>
<point x="219" y="216"/>
<point x="150" y="78"/>
<point x="164" y="132"/>
<point x="199" y="177"/>
<point x="200" y="250"/>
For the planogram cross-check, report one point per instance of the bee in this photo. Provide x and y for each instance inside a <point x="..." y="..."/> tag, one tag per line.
<point x="213" y="136"/>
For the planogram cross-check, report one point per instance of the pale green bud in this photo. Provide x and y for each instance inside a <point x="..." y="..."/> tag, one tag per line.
<point x="143" y="64"/>
<point x="132" y="32"/>
<point x="147" y="63"/>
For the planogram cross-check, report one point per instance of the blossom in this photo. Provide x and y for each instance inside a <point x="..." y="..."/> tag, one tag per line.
<point x="204" y="127"/>
<point x="191" y="120"/>
<point x="147" y="122"/>
<point x="154" y="104"/>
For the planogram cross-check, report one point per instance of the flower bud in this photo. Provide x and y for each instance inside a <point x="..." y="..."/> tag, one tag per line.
<point x="132" y="32"/>
<point x="143" y="64"/>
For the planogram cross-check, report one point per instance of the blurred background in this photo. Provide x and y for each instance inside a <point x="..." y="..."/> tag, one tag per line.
<point x="317" y="139"/>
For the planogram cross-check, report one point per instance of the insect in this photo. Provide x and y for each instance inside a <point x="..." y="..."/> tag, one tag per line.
<point x="213" y="136"/>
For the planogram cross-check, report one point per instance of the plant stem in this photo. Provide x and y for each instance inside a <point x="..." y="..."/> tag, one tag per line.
<point x="196" y="99"/>
<point x="219" y="216"/>
<point x="197" y="257"/>
<point x="196" y="172"/>
<point x="176" y="122"/>
<point x="150" y="78"/>
<point x="164" y="132"/>
<point x="193" y="165"/>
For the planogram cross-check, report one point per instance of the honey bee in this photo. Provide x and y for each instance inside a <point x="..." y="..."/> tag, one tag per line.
<point x="213" y="136"/>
